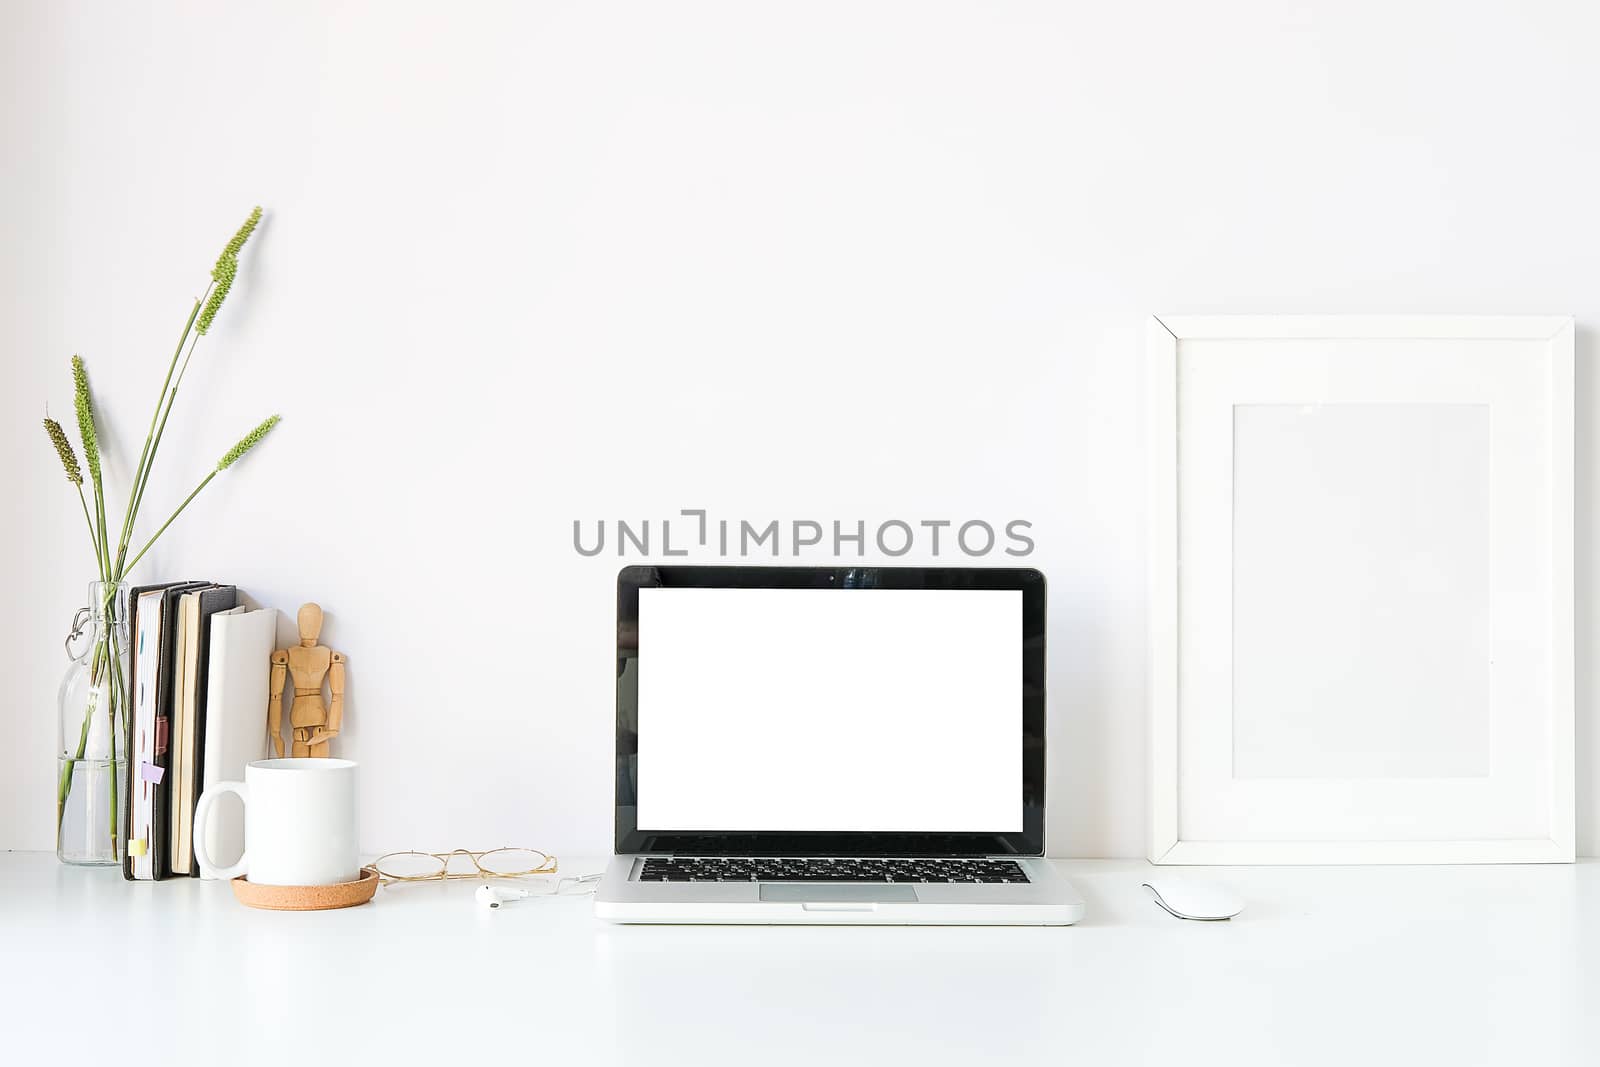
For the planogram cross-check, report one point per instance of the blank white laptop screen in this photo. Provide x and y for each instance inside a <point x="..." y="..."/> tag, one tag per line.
<point x="889" y="710"/>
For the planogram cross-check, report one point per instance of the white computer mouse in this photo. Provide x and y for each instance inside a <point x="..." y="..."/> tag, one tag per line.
<point x="1203" y="901"/>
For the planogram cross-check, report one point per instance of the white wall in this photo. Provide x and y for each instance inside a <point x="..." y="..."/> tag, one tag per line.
<point x="531" y="263"/>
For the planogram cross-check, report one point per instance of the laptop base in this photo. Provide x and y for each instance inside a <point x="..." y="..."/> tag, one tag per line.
<point x="1046" y="899"/>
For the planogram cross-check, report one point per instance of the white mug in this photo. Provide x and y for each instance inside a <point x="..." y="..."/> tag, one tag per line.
<point x="299" y="823"/>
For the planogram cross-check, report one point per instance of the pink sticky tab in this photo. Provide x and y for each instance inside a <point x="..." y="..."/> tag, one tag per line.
<point x="151" y="773"/>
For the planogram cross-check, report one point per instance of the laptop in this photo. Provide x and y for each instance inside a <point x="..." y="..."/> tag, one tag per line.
<point x="831" y="745"/>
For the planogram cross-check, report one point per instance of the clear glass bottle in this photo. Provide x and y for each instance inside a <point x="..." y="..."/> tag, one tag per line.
<point x="92" y="729"/>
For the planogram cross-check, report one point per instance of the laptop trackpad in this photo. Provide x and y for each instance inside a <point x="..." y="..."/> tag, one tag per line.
<point x="813" y="893"/>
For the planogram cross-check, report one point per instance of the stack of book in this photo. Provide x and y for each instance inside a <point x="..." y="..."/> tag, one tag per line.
<point x="200" y="678"/>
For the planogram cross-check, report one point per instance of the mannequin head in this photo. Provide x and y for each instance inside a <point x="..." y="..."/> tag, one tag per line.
<point x="310" y="622"/>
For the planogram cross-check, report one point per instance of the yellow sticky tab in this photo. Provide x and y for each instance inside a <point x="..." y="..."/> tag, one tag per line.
<point x="136" y="847"/>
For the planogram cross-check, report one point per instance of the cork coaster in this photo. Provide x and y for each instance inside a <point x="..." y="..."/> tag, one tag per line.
<point x="307" y="897"/>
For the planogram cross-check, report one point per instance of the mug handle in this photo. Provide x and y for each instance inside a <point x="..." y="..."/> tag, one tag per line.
<point x="202" y="815"/>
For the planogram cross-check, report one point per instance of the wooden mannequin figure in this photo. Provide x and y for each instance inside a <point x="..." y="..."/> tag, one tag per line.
<point x="313" y="723"/>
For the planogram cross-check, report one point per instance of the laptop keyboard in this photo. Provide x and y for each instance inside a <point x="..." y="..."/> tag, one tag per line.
<point x="758" y="869"/>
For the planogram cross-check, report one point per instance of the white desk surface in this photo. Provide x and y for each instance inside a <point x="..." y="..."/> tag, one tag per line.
<point x="1417" y="965"/>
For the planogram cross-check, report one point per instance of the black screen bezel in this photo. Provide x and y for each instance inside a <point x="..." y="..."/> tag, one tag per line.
<point x="1027" y="842"/>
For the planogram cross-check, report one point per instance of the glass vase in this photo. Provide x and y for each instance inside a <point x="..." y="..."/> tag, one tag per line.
<point x="92" y="728"/>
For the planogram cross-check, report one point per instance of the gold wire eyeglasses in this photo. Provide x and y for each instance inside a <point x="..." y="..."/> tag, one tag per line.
<point x="461" y="863"/>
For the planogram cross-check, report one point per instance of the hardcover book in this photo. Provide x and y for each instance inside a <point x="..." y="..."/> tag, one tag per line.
<point x="196" y="609"/>
<point x="236" y="715"/>
<point x="141" y="774"/>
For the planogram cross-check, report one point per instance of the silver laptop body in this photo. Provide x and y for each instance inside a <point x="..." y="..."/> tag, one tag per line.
<point x="850" y="745"/>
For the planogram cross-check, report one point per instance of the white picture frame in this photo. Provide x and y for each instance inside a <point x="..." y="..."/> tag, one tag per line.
<point x="1366" y="655"/>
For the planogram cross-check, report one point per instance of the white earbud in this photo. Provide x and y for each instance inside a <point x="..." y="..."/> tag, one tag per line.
<point x="492" y="897"/>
